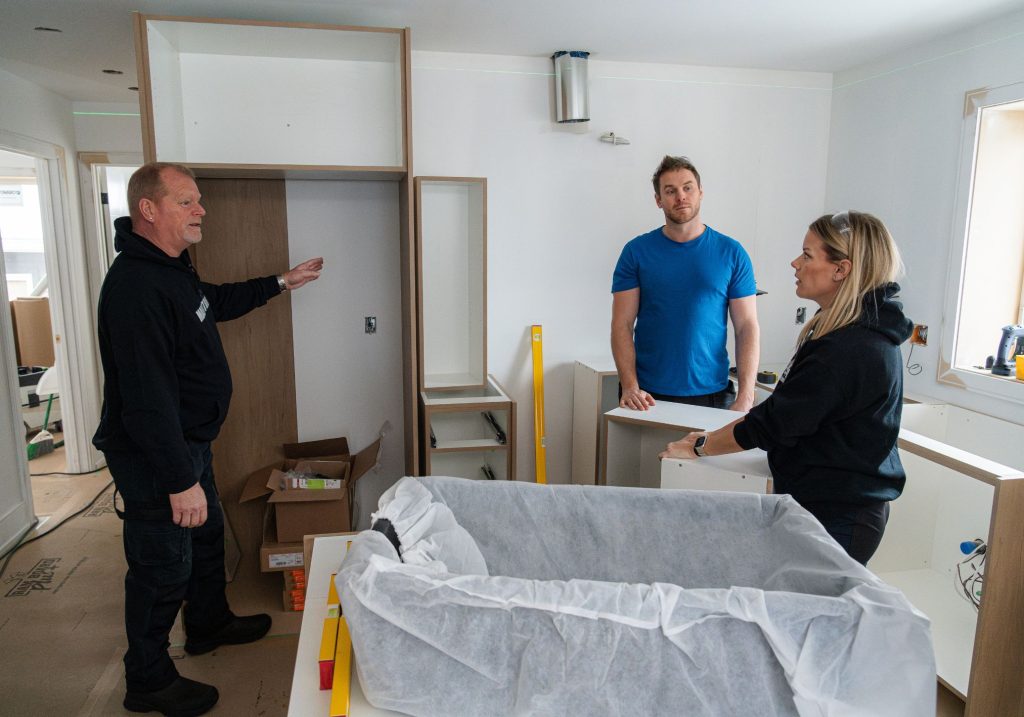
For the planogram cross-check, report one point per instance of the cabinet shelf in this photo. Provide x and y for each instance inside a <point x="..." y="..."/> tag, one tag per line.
<point x="470" y="444"/>
<point x="464" y="438"/>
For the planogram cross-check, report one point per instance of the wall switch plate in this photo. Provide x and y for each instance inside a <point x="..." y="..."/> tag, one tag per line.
<point x="801" y="314"/>
<point x="920" y="335"/>
<point x="371" y="325"/>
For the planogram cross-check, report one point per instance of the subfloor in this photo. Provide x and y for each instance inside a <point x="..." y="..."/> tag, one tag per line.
<point x="61" y="608"/>
<point x="61" y="616"/>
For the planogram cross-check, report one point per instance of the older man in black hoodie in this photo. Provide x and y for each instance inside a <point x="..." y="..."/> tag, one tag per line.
<point x="166" y="393"/>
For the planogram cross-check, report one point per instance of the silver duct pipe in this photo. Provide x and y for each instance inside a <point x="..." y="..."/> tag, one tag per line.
<point x="572" y="101"/>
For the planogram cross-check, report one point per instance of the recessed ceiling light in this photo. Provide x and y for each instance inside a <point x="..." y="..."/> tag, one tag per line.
<point x="42" y="28"/>
<point x="112" y="72"/>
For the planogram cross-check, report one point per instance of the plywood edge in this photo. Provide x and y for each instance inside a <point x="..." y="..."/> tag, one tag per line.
<point x="483" y="249"/>
<point x="470" y="449"/>
<point x="469" y="407"/>
<point x="995" y="686"/>
<point x="269" y="23"/>
<point x="145" y="87"/>
<point x="956" y="459"/>
<point x="410" y="329"/>
<point x="407" y="99"/>
<point x="653" y="424"/>
<point x="511" y="433"/>
<point x="432" y="179"/>
<point x="418" y="268"/>
<point x="213" y="170"/>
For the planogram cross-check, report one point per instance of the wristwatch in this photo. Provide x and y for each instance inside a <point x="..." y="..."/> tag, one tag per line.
<point x="281" y="283"/>
<point x="698" y="446"/>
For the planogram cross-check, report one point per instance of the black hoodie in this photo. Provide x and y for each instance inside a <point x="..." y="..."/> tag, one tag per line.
<point x="830" y="428"/>
<point x="167" y="380"/>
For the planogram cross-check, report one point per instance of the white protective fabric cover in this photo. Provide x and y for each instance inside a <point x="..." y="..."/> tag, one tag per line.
<point x="524" y="599"/>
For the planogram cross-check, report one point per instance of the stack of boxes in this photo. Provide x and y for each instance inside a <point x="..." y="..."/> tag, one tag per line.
<point x="296" y="508"/>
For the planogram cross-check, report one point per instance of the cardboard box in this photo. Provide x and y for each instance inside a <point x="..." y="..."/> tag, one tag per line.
<point x="296" y="513"/>
<point x="33" y="333"/>
<point x="294" y="595"/>
<point x="278" y="557"/>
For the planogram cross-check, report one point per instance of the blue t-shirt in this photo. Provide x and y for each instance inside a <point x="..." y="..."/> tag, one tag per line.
<point x="685" y="288"/>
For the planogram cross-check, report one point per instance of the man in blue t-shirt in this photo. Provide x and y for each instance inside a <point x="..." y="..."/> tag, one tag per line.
<point x="673" y="291"/>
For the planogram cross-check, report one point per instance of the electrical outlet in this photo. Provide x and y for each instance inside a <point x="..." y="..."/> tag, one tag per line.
<point x="371" y="325"/>
<point x="801" y="314"/>
<point x="920" y="335"/>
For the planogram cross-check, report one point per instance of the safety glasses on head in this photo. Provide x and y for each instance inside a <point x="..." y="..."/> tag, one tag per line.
<point x="841" y="223"/>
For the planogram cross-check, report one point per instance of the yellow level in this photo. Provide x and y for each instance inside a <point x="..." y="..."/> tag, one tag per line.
<point x="539" y="440"/>
<point x="341" y="685"/>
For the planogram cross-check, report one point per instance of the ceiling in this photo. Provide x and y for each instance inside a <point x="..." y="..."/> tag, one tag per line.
<point x="811" y="35"/>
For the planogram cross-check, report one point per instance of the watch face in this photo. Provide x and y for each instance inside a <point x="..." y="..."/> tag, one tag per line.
<point x="698" y="446"/>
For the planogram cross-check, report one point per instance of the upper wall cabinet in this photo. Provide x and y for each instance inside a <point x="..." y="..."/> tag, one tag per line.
<point x="232" y="94"/>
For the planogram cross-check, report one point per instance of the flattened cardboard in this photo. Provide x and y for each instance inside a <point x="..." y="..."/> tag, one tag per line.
<point x="33" y="333"/>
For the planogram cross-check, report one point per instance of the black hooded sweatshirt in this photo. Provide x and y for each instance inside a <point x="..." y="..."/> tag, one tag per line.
<point x="167" y="381"/>
<point x="830" y="428"/>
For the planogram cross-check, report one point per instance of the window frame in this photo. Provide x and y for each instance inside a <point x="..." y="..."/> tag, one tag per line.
<point x="981" y="382"/>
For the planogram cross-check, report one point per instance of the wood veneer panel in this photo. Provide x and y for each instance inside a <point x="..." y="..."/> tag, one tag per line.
<point x="245" y="235"/>
<point x="145" y="86"/>
<point x="996" y="687"/>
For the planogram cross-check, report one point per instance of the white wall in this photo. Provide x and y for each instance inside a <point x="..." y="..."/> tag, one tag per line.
<point x="894" y="151"/>
<point x="28" y="115"/>
<point x="561" y="204"/>
<point x="348" y="382"/>
<point x="107" y="127"/>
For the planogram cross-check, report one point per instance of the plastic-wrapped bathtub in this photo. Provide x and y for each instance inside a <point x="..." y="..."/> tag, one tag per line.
<point x="520" y="599"/>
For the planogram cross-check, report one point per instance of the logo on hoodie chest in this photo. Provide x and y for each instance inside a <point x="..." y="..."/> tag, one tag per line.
<point x="204" y="306"/>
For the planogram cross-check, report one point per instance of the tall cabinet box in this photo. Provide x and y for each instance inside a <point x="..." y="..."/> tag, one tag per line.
<point x="255" y="109"/>
<point x="451" y="229"/>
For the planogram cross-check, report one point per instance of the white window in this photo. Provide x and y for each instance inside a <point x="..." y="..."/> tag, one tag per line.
<point x="985" y="290"/>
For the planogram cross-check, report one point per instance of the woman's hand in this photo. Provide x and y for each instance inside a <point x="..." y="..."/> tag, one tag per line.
<point x="683" y="448"/>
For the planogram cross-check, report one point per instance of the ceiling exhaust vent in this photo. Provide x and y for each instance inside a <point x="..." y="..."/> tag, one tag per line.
<point x="572" y="103"/>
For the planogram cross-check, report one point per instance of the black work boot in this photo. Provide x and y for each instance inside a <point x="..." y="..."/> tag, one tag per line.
<point x="181" y="698"/>
<point x="238" y="631"/>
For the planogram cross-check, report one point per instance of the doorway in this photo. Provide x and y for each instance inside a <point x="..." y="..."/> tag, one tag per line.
<point x="27" y="283"/>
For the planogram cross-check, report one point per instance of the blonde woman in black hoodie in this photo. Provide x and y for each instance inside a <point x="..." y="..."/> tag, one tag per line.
<point x="830" y="427"/>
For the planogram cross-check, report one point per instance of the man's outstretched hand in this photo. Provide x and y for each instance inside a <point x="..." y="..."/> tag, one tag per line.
<point x="304" y="273"/>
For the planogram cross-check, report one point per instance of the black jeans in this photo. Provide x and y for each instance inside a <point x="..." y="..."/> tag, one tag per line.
<point x="857" y="528"/>
<point x="719" y="399"/>
<point x="167" y="565"/>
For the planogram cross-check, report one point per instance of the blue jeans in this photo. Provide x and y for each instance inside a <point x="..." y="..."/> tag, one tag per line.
<point x="167" y="565"/>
